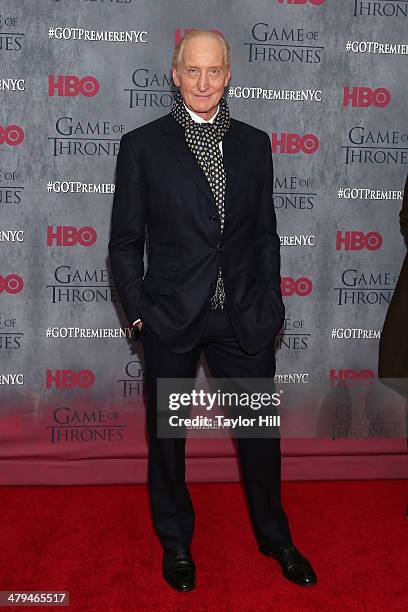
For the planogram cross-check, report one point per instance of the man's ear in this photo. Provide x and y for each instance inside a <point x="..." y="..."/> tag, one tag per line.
<point x="227" y="78"/>
<point x="175" y="76"/>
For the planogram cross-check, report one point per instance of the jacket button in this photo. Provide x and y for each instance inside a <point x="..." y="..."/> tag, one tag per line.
<point x="219" y="247"/>
<point x="212" y="218"/>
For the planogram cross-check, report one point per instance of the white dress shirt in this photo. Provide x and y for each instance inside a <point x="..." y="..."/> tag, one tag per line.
<point x="198" y="119"/>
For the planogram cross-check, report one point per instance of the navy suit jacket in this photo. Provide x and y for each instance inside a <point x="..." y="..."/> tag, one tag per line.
<point x="161" y="187"/>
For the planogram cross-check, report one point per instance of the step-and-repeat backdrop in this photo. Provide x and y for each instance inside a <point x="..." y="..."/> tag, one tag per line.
<point x="327" y="80"/>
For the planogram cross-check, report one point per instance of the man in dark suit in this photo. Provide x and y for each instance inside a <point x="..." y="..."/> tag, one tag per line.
<point x="202" y="184"/>
<point x="393" y="346"/>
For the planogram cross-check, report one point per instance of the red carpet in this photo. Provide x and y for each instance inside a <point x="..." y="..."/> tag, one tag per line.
<point x="97" y="543"/>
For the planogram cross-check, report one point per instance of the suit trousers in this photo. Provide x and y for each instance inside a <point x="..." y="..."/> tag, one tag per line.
<point x="260" y="458"/>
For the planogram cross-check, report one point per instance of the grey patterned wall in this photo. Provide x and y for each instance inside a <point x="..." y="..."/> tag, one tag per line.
<point x="337" y="118"/>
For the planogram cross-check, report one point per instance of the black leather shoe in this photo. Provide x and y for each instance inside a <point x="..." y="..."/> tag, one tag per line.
<point x="295" y="566"/>
<point x="179" y="569"/>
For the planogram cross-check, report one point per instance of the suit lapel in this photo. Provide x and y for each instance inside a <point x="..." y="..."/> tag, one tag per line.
<point x="174" y="137"/>
<point x="232" y="157"/>
<point x="231" y="148"/>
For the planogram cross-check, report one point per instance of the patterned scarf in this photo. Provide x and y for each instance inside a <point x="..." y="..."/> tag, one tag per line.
<point x="203" y="139"/>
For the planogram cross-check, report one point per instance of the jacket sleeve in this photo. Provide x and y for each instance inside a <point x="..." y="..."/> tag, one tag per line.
<point x="404" y="213"/>
<point x="268" y="242"/>
<point x="127" y="238"/>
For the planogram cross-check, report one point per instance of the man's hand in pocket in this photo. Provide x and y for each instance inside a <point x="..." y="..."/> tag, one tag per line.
<point x="136" y="329"/>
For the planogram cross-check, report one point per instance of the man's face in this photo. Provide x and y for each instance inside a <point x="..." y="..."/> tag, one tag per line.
<point x="202" y="75"/>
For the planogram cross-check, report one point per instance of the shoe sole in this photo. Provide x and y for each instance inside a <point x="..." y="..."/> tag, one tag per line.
<point x="303" y="584"/>
<point x="177" y="588"/>
<point x="306" y="584"/>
